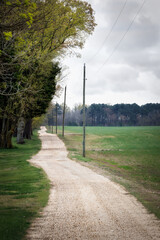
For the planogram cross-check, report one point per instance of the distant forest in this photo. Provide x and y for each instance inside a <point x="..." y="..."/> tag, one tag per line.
<point x="109" y="115"/>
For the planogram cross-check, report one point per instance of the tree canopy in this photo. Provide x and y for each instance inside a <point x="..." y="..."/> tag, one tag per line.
<point x="112" y="115"/>
<point x="32" y="35"/>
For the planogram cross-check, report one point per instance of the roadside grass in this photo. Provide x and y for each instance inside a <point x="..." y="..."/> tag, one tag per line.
<point x="49" y="129"/>
<point x="24" y="189"/>
<point x="130" y="155"/>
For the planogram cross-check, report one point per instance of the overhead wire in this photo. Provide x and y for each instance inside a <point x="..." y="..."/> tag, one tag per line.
<point x="109" y="33"/>
<point x="130" y="25"/>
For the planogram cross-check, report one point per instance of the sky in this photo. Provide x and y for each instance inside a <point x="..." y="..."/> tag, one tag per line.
<point x="122" y="56"/>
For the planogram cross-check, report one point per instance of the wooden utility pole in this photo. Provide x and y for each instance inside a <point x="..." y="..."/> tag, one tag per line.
<point x="56" y="118"/>
<point x="84" y="113"/>
<point x="52" y="120"/>
<point x="64" y="111"/>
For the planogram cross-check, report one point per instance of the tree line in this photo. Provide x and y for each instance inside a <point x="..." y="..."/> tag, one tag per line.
<point x="34" y="36"/>
<point x="109" y="115"/>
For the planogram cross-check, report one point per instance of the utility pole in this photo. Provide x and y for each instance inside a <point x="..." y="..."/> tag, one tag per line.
<point x="84" y="113"/>
<point x="56" y="118"/>
<point x="52" y="120"/>
<point x="64" y="111"/>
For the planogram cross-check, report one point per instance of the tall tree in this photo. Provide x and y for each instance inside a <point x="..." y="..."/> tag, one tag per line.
<point x="116" y="115"/>
<point x="32" y="33"/>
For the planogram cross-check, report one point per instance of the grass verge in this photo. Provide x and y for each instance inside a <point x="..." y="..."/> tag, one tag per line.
<point x="131" y="155"/>
<point x="50" y="128"/>
<point x="24" y="189"/>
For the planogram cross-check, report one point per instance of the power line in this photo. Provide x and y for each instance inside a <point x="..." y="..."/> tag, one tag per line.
<point x="108" y="35"/>
<point x="130" y="25"/>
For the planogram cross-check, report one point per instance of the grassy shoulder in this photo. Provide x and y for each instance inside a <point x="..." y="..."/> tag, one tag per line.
<point x="24" y="189"/>
<point x="130" y="154"/>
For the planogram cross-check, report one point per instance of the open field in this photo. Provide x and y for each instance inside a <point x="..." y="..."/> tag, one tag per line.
<point x="128" y="155"/>
<point x="24" y="189"/>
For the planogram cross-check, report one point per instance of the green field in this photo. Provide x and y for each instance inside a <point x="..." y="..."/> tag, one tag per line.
<point x="24" y="189"/>
<point x="128" y="155"/>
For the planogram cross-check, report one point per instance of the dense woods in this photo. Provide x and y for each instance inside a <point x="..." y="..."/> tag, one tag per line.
<point x="33" y="36"/>
<point x="108" y="115"/>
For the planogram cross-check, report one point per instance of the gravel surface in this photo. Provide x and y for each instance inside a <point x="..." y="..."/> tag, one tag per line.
<point x="85" y="205"/>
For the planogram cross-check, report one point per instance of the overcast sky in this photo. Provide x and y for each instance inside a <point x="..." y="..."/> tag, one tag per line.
<point x="122" y="56"/>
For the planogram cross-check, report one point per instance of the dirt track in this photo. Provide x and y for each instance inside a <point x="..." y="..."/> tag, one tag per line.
<point x="84" y="205"/>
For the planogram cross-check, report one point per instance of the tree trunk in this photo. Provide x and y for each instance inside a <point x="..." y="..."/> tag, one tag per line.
<point x="15" y="133"/>
<point x="20" y="130"/>
<point x="28" y="129"/>
<point x="6" y="133"/>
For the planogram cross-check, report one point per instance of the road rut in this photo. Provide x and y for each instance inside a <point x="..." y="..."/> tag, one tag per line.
<point x="84" y="205"/>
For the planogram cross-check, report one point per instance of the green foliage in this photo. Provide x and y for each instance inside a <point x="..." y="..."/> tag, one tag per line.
<point x="48" y="27"/>
<point x="116" y="115"/>
<point x="8" y="35"/>
<point x="24" y="189"/>
<point x="32" y="34"/>
<point x="37" y="121"/>
<point x="44" y="86"/>
<point x="130" y="154"/>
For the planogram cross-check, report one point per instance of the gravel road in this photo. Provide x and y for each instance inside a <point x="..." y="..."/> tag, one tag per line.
<point x="85" y="205"/>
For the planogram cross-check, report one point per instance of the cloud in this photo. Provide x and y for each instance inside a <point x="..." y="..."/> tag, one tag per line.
<point x="118" y="78"/>
<point x="125" y="70"/>
<point x="152" y="83"/>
